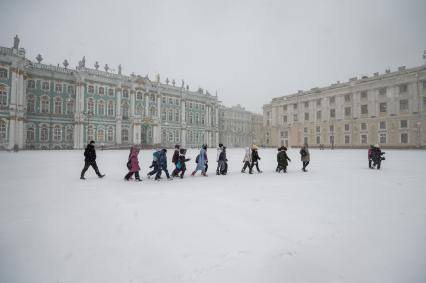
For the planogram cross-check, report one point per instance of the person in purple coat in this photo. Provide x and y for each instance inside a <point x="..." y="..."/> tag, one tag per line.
<point x="133" y="164"/>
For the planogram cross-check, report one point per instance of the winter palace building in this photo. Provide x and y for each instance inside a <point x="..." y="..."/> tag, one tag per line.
<point x="52" y="107"/>
<point x="389" y="109"/>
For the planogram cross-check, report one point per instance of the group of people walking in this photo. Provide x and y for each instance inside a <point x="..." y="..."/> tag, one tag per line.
<point x="251" y="159"/>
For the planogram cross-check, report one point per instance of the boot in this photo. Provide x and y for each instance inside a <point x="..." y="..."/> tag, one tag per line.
<point x="193" y="174"/>
<point x="101" y="175"/>
<point x="204" y="174"/>
<point x="82" y="178"/>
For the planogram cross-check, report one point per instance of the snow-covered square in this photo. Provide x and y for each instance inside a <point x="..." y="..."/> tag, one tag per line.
<point x="338" y="222"/>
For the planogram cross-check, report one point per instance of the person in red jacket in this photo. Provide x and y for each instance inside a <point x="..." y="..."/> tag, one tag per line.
<point x="133" y="164"/>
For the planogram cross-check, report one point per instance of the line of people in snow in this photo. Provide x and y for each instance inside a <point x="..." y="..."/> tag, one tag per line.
<point x="250" y="160"/>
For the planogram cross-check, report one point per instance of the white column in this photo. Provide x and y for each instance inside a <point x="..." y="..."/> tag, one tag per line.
<point x="136" y="133"/>
<point x="132" y="103"/>
<point x="183" y="137"/>
<point x="12" y="131"/>
<point x="146" y="105"/>
<point x="183" y="115"/>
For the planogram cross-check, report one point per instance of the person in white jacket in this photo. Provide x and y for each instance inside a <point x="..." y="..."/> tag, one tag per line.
<point x="246" y="160"/>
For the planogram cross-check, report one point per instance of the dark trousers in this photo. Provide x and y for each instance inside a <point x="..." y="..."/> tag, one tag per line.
<point x="279" y="168"/>
<point x="377" y="163"/>
<point x="159" y="172"/>
<point x="369" y="163"/>
<point x="87" y="164"/>
<point x="130" y="174"/>
<point x="253" y="163"/>
<point x="177" y="171"/>
<point x="155" y="170"/>
<point x="305" y="163"/>
<point x="246" y="164"/>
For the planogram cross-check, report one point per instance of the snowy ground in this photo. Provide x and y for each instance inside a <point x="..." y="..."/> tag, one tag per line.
<point x="339" y="222"/>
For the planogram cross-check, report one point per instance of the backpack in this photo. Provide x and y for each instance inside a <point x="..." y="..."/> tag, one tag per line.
<point x="129" y="165"/>
<point x="197" y="158"/>
<point x="178" y="165"/>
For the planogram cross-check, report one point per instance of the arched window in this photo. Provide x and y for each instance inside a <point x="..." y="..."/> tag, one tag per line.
<point x="90" y="133"/>
<point x="3" y="73"/>
<point x="3" y="133"/>
<point x="111" y="92"/>
<point x="110" y="108"/>
<point x="91" y="106"/>
<point x="58" y="105"/>
<point x="45" y="104"/>
<point x="139" y="95"/>
<point x="139" y="109"/>
<point x="125" y="110"/>
<point x="69" y="134"/>
<point x="125" y="135"/>
<point x="101" y="90"/>
<point x="3" y="96"/>
<point x="30" y="134"/>
<point x="110" y="135"/>
<point x="101" y="108"/>
<point x="31" y="84"/>
<point x="91" y="89"/>
<point x="45" y="86"/>
<point x="70" y="106"/>
<point x="125" y="93"/>
<point x="30" y="104"/>
<point x="101" y="135"/>
<point x="44" y="133"/>
<point x="57" y="133"/>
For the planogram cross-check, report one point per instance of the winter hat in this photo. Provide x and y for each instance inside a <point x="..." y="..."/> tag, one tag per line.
<point x="254" y="147"/>
<point x="377" y="145"/>
<point x="177" y="146"/>
<point x="220" y="145"/>
<point x="92" y="142"/>
<point x="182" y="151"/>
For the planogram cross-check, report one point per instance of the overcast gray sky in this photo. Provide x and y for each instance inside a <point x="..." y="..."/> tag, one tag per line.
<point x="249" y="51"/>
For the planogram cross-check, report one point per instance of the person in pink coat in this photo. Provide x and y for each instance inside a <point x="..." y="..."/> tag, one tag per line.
<point x="133" y="164"/>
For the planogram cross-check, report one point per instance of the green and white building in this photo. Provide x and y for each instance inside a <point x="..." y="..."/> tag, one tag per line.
<point x="54" y="107"/>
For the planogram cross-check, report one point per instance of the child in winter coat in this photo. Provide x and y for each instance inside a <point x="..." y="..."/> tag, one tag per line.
<point x="305" y="156"/>
<point x="254" y="159"/>
<point x="282" y="159"/>
<point x="180" y="164"/>
<point x="201" y="161"/>
<point x="162" y="165"/>
<point x="246" y="160"/>
<point x="376" y="156"/>
<point x="133" y="164"/>
<point x="176" y="154"/>
<point x="223" y="165"/>
<point x="154" y="164"/>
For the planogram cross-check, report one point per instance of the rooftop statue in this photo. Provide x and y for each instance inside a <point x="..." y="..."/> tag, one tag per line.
<point x="82" y="63"/>
<point x="16" y="42"/>
<point x="119" y="69"/>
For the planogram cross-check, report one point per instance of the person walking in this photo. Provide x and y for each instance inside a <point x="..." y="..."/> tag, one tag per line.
<point x="376" y="156"/>
<point x="180" y="164"/>
<point x="201" y="161"/>
<point x="370" y="154"/>
<point x="176" y="154"/>
<point x="133" y="164"/>
<point x="246" y="160"/>
<point x="219" y="162"/>
<point x="162" y="165"/>
<point x="154" y="163"/>
<point x="223" y="161"/>
<point x="254" y="159"/>
<point x="305" y="156"/>
<point x="282" y="159"/>
<point x="90" y="160"/>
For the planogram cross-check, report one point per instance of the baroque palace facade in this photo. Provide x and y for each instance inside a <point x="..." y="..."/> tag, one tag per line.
<point x="235" y="126"/>
<point x="388" y="109"/>
<point x="52" y="107"/>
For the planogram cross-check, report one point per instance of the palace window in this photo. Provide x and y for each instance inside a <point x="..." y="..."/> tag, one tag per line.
<point x="319" y="102"/>
<point x="382" y="125"/>
<point x="90" y="135"/>
<point x="30" y="104"/>
<point x="125" y="110"/>
<point x="139" y="95"/>
<point x="70" y="89"/>
<point x="58" y="105"/>
<point x="110" y="135"/>
<point x="139" y="110"/>
<point x="125" y="135"/>
<point x="45" y="86"/>
<point x="30" y="134"/>
<point x="403" y="105"/>
<point x="202" y="119"/>
<point x="404" y="138"/>
<point x="190" y="118"/>
<point x="305" y="130"/>
<point x="331" y="129"/>
<point x="3" y="96"/>
<point x="70" y="106"/>
<point x="196" y="105"/>
<point x="382" y="91"/>
<point x="403" y="124"/>
<point x="44" y="133"/>
<point x="3" y="132"/>
<point x="284" y="119"/>
<point x="364" y="109"/>
<point x="101" y="107"/>
<point x="363" y="126"/>
<point x="110" y="108"/>
<point x="348" y="111"/>
<point x="294" y="117"/>
<point x="125" y="93"/>
<point x="45" y="105"/>
<point x="306" y="116"/>
<point x="101" y="135"/>
<point x="152" y="98"/>
<point x="58" y="88"/>
<point x="170" y="115"/>
<point x="318" y="139"/>
<point x="31" y="84"/>
<point x="318" y="115"/>
<point x="177" y="101"/>
<point x="403" y="88"/>
<point x="101" y="90"/>
<point x="332" y="113"/>
<point x="364" y="94"/>
<point x="91" y="89"/>
<point x="383" y="107"/>
<point x="69" y="134"/>
<point x="332" y="100"/>
<point x="382" y="138"/>
<point x="57" y="133"/>
<point x="177" y="116"/>
<point x="197" y="118"/>
<point x="90" y="106"/>
<point x="3" y="73"/>
<point x="318" y="129"/>
<point x="347" y="139"/>
<point x="306" y="104"/>
<point x="170" y="101"/>
<point x="111" y="92"/>
<point x="347" y="98"/>
<point x="424" y="84"/>
<point x="295" y="106"/>
<point x="364" y="139"/>
<point x="347" y="127"/>
<point x="152" y="112"/>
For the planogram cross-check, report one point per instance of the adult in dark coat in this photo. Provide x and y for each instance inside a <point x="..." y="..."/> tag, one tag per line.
<point x="376" y="156"/>
<point x="180" y="164"/>
<point x="282" y="159"/>
<point x="254" y="159"/>
<point x="223" y="162"/>
<point x="162" y="164"/>
<point x="176" y="154"/>
<point x="305" y="156"/>
<point x="90" y="160"/>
